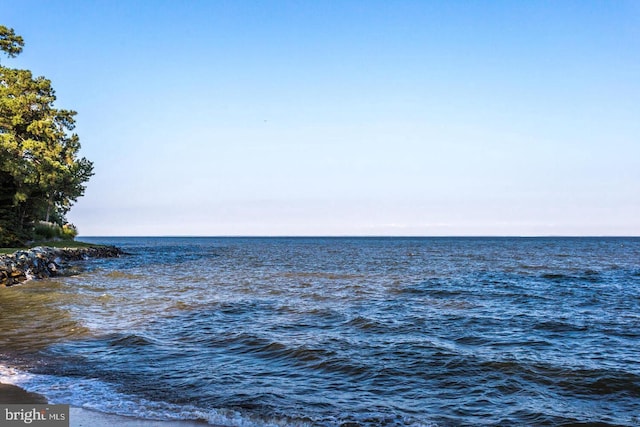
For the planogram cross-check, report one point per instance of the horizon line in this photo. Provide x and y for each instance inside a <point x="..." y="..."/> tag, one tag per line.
<point x="337" y="236"/>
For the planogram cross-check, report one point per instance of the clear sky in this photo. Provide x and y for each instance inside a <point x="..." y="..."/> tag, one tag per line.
<point x="347" y="117"/>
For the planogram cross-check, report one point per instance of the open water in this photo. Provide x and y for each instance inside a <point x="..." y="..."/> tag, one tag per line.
<point x="338" y="331"/>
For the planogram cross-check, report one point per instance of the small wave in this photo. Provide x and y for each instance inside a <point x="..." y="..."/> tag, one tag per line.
<point x="103" y="397"/>
<point x="559" y="326"/>
<point x="588" y="275"/>
<point x="599" y="382"/>
<point x="305" y="357"/>
<point x="558" y="277"/>
<point x="123" y="275"/>
<point x="577" y="381"/>
<point x="428" y="290"/>
<point x="130" y="340"/>
<point x="186" y="306"/>
<point x="267" y="349"/>
<point x="365" y="324"/>
<point x="322" y="275"/>
<point x="344" y="367"/>
<point x="532" y="267"/>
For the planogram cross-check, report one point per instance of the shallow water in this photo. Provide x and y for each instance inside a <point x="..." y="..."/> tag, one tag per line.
<point x="339" y="331"/>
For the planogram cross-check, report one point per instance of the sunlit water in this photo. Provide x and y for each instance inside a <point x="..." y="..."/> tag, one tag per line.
<point x="338" y="332"/>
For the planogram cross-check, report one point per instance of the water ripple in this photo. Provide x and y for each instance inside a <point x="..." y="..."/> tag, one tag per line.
<point x="341" y="332"/>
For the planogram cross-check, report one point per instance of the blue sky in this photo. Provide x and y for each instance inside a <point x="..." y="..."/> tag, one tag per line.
<point x="347" y="117"/>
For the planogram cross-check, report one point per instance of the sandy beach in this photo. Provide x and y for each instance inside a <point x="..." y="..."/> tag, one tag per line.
<point x="80" y="417"/>
<point x="11" y="394"/>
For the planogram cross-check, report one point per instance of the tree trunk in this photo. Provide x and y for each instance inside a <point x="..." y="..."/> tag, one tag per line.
<point x="49" y="204"/>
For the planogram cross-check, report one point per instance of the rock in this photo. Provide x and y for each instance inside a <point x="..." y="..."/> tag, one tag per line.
<point x="42" y="262"/>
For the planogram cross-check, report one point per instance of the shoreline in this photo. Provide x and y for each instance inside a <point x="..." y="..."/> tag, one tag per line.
<point x="82" y="417"/>
<point x="42" y="262"/>
<point x="13" y="394"/>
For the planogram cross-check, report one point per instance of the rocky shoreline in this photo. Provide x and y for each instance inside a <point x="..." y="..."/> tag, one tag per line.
<point x="42" y="262"/>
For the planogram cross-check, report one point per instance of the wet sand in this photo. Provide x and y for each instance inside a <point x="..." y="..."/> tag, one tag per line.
<point x="13" y="394"/>
<point x="80" y="417"/>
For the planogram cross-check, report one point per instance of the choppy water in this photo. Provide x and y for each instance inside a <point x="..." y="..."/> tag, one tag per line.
<point x="339" y="331"/>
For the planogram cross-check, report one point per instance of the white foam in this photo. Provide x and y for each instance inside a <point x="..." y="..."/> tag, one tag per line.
<point x="12" y="376"/>
<point x="100" y="396"/>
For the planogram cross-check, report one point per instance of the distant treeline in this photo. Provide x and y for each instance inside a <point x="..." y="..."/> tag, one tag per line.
<point x="41" y="175"/>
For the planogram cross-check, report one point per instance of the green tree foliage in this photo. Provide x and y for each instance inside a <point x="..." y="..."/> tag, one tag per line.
<point x="41" y="175"/>
<point x="10" y="43"/>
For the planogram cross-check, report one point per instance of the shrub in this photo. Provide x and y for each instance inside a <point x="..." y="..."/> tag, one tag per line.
<point x="49" y="231"/>
<point x="9" y="239"/>
<point x="45" y="231"/>
<point x="69" y="232"/>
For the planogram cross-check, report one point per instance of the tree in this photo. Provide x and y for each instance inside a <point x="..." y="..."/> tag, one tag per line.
<point x="10" y="43"/>
<point x="41" y="175"/>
